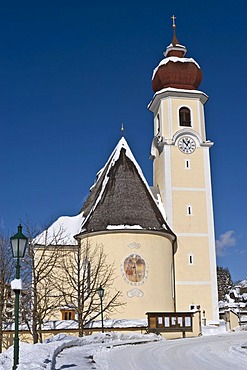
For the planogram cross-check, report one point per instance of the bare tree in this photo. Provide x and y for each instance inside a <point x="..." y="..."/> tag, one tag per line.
<point x="6" y="275"/>
<point x="84" y="269"/>
<point x="41" y="300"/>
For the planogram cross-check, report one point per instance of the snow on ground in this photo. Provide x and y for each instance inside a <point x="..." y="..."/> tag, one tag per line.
<point x="43" y="356"/>
<point x="116" y="351"/>
<point x="212" y="329"/>
<point x="218" y="352"/>
<point x="84" y="357"/>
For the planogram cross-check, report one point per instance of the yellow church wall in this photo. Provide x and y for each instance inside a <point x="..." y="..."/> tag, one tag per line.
<point x="164" y="109"/>
<point x="199" y="269"/>
<point x="154" y="292"/>
<point x="159" y="173"/>
<point x="198" y="295"/>
<point x="201" y="118"/>
<point x="183" y="222"/>
<point x="169" y="115"/>
<point x="45" y="288"/>
<point x="187" y="177"/>
<point x="192" y="104"/>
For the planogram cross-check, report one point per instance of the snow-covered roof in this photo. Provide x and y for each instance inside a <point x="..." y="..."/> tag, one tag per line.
<point x="175" y="60"/>
<point x="120" y="199"/>
<point x="177" y="46"/>
<point x="62" y="231"/>
<point x="243" y="283"/>
<point x="104" y="172"/>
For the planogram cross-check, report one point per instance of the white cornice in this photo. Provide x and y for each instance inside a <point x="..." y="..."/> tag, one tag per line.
<point x="193" y="282"/>
<point x="186" y="131"/>
<point x="177" y="93"/>
<point x="166" y="233"/>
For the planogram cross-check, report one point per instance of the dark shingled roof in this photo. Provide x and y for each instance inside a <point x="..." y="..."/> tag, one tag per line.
<point x="121" y="196"/>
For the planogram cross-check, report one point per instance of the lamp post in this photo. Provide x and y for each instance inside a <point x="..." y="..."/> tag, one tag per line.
<point x="100" y="292"/>
<point x="18" y="244"/>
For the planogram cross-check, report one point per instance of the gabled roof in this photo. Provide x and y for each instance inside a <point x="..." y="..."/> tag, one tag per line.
<point x="121" y="197"/>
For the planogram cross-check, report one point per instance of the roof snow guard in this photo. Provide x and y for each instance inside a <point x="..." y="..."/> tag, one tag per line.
<point x="121" y="198"/>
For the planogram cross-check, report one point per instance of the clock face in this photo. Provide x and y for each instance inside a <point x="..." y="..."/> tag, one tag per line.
<point x="187" y="145"/>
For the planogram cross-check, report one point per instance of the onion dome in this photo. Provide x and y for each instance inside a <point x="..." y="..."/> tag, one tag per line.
<point x="175" y="70"/>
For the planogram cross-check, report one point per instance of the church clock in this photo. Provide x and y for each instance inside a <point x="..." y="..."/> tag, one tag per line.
<point x="187" y="145"/>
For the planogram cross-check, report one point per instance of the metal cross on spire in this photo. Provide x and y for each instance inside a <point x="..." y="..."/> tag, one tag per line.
<point x="173" y="21"/>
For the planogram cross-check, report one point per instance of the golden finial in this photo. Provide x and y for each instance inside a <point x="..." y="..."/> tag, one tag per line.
<point x="122" y="129"/>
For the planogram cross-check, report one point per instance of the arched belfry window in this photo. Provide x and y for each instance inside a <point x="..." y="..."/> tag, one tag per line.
<point x="184" y="117"/>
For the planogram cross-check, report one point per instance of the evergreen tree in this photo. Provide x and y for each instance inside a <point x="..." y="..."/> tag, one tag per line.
<point x="224" y="282"/>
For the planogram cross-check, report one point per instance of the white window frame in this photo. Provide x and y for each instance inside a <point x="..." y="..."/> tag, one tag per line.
<point x="191" y="116"/>
<point x="187" y="164"/>
<point x="190" y="259"/>
<point x="189" y="210"/>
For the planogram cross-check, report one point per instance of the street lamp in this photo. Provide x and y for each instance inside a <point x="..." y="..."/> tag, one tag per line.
<point x="100" y="292"/>
<point x="18" y="244"/>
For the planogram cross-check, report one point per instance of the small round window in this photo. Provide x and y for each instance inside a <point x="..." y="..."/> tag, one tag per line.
<point x="134" y="268"/>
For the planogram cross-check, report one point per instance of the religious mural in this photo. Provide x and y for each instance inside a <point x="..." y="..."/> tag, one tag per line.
<point x="134" y="268"/>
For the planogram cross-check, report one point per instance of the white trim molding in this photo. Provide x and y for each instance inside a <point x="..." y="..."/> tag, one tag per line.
<point x="193" y="283"/>
<point x="212" y="254"/>
<point x="177" y="93"/>
<point x="180" y="188"/>
<point x="204" y="235"/>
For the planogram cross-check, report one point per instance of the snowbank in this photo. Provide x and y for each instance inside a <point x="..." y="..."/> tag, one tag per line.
<point x="43" y="355"/>
<point x="214" y="329"/>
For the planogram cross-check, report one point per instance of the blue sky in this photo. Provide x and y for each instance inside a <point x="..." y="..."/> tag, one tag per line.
<point x="71" y="73"/>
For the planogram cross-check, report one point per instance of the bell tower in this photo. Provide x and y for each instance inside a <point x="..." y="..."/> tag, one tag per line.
<point x="181" y="170"/>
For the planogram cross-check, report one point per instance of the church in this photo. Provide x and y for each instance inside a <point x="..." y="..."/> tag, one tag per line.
<point x="161" y="237"/>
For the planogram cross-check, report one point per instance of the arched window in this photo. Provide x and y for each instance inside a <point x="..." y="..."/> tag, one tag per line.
<point x="184" y="117"/>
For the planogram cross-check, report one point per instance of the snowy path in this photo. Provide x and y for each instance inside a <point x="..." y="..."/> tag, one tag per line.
<point x="211" y="352"/>
<point x="75" y="358"/>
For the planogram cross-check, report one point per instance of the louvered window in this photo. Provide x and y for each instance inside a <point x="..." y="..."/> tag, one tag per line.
<point x="184" y="117"/>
